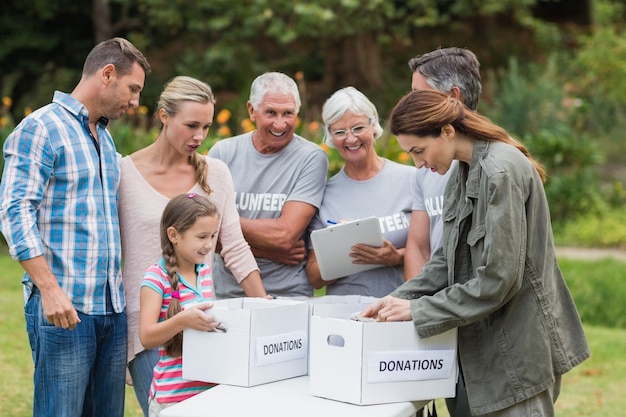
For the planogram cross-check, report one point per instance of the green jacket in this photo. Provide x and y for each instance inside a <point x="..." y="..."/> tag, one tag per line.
<point x="496" y="278"/>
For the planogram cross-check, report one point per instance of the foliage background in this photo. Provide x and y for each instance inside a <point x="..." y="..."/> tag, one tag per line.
<point x="554" y="72"/>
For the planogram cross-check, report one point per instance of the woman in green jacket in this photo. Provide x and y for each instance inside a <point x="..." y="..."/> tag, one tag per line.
<point x="496" y="278"/>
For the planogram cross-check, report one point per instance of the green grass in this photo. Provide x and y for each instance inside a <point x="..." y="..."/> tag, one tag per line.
<point x="599" y="289"/>
<point x="593" y="388"/>
<point x="16" y="365"/>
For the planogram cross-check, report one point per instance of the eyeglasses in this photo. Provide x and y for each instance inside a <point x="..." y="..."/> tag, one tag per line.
<point x="343" y="134"/>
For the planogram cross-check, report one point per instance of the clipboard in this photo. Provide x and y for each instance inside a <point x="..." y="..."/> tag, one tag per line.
<point x="332" y="246"/>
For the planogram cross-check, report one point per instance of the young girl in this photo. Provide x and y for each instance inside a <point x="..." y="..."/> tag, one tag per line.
<point x="174" y="294"/>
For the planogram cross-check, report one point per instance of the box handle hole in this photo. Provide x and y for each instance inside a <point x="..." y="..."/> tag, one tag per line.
<point x="335" y="340"/>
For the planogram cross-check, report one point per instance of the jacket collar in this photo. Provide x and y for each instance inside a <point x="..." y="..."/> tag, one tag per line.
<point x="480" y="151"/>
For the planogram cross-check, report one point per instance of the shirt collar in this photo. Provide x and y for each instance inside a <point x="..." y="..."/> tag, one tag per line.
<point x="76" y="108"/>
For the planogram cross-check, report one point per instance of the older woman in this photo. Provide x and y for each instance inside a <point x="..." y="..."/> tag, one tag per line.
<point x="496" y="278"/>
<point x="367" y="185"/>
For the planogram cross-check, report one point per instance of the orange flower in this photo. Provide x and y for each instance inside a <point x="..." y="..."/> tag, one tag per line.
<point x="143" y="110"/>
<point x="314" y="126"/>
<point x="404" y="157"/>
<point x="247" y="125"/>
<point x="27" y="111"/>
<point x="4" y="121"/>
<point x="7" y="102"/>
<point x="324" y="147"/>
<point x="299" y="76"/>
<point x="223" y="116"/>
<point x="224" y="131"/>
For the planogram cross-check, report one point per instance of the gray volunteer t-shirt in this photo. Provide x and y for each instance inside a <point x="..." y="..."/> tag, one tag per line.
<point x="427" y="191"/>
<point x="263" y="184"/>
<point x="385" y="196"/>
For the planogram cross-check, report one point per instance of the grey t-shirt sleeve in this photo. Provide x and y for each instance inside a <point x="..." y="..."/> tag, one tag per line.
<point x="417" y="192"/>
<point x="311" y="180"/>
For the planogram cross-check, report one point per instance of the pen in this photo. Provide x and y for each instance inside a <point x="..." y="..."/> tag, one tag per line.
<point x="331" y="221"/>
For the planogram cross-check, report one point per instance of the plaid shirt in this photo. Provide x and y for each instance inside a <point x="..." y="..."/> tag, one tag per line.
<point x="58" y="198"/>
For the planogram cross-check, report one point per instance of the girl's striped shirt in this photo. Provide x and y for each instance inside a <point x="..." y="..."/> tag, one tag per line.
<point x="168" y="384"/>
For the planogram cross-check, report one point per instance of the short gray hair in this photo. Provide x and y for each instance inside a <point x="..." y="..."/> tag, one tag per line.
<point x="348" y="99"/>
<point x="449" y="67"/>
<point x="274" y="82"/>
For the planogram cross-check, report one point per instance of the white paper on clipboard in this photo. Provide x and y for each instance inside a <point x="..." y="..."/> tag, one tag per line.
<point x="332" y="246"/>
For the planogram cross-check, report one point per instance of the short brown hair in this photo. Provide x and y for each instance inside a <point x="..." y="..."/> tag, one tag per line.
<point x="116" y="51"/>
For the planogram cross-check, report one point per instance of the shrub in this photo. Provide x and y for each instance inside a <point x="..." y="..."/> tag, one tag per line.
<point x="128" y="139"/>
<point x="598" y="288"/>
<point x="533" y="104"/>
<point x="6" y="124"/>
<point x="606" y="230"/>
<point x="571" y="161"/>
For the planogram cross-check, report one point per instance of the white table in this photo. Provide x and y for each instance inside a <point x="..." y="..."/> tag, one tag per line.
<point x="286" y="398"/>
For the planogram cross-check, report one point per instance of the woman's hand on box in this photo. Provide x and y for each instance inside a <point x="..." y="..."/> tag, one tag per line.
<point x="389" y="309"/>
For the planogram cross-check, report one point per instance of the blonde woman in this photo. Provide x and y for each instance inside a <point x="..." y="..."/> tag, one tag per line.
<point x="150" y="178"/>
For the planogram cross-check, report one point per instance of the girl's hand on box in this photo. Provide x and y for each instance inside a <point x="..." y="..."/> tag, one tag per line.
<point x="196" y="318"/>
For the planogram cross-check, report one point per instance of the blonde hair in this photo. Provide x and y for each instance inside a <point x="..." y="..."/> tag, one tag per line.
<point x="180" y="89"/>
<point x="181" y="213"/>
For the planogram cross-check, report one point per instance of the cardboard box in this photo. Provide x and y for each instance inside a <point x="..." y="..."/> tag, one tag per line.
<point x="376" y="363"/>
<point x="337" y="305"/>
<point x="265" y="341"/>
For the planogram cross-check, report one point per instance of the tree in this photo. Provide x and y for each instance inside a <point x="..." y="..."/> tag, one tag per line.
<point x="335" y="42"/>
<point x="48" y="41"/>
<point x="37" y="38"/>
<point x="227" y="42"/>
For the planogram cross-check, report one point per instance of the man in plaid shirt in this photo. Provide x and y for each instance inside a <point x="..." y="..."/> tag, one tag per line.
<point x="58" y="211"/>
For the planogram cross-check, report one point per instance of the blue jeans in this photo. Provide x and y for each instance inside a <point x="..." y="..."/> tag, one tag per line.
<point x="141" y="370"/>
<point x="80" y="372"/>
